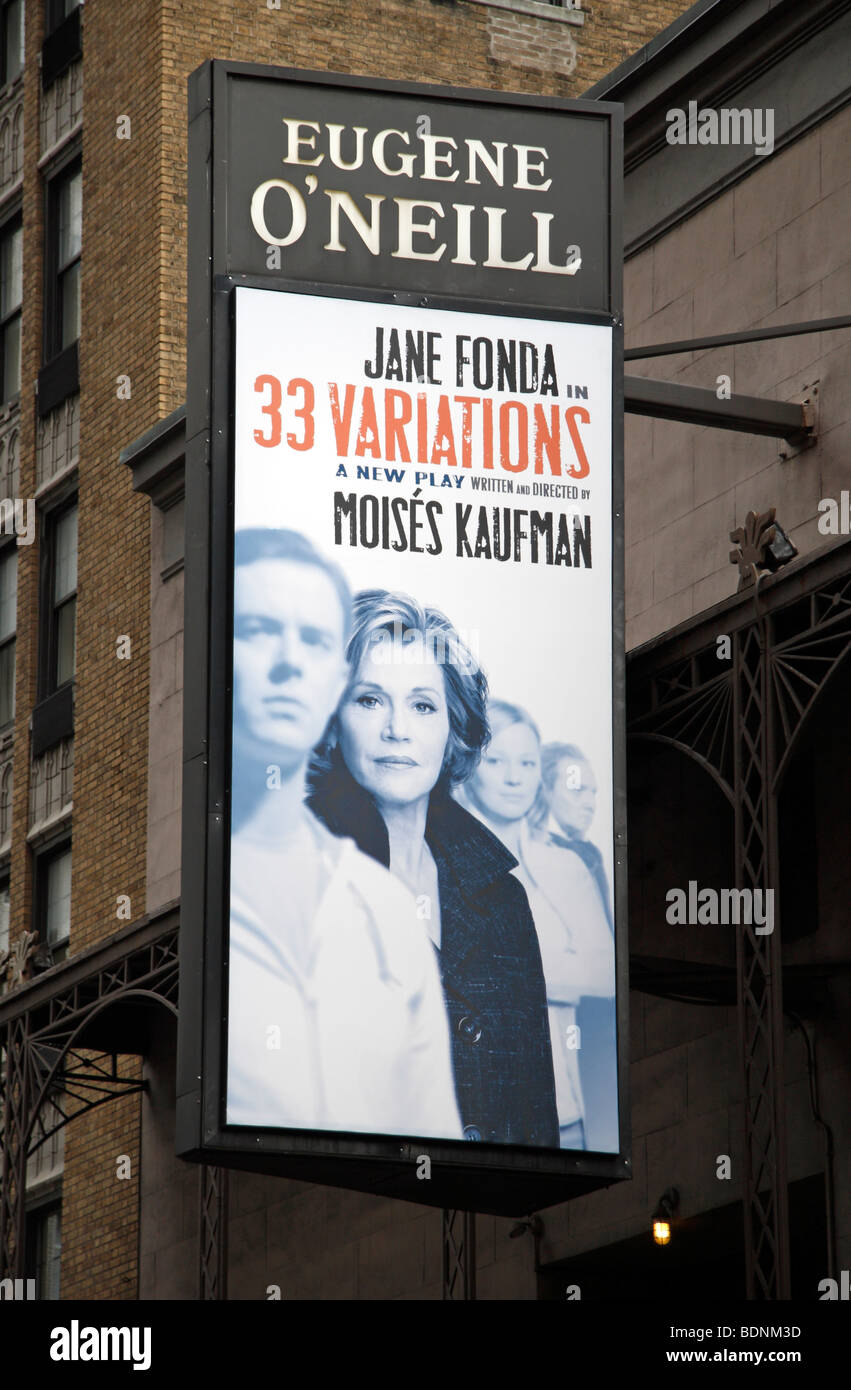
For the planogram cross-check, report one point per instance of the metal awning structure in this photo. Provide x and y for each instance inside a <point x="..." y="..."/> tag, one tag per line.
<point x="695" y="405"/>
<point x="741" y="720"/>
<point x="794" y="421"/>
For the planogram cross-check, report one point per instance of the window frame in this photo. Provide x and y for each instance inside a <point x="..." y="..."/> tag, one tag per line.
<point x="38" y="1209"/>
<point x="55" y="16"/>
<point x="63" y="41"/>
<point x="48" y="685"/>
<point x="5" y="886"/>
<point x="11" y="224"/>
<point x="43" y="857"/>
<point x="52" y="349"/>
<point x="5" y="81"/>
<point x="9" y="550"/>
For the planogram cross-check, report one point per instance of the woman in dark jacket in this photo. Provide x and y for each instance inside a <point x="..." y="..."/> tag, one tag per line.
<point x="410" y="725"/>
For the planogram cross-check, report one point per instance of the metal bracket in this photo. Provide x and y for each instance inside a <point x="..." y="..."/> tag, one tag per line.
<point x="810" y="406"/>
<point x="696" y="405"/>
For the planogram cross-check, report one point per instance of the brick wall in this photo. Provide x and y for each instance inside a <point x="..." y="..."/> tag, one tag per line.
<point x="121" y="304"/>
<point x="100" y="1199"/>
<point x="614" y="31"/>
<point x="27" y="635"/>
<point x="577" y="55"/>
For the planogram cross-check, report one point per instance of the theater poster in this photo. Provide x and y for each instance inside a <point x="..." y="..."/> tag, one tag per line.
<point x="404" y="941"/>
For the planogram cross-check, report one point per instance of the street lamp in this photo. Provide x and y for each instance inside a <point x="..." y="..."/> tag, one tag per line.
<point x="662" y="1216"/>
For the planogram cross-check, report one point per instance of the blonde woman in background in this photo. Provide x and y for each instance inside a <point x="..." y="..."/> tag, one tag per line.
<point x="577" y="947"/>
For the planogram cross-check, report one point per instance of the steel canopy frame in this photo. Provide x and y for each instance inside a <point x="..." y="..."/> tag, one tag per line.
<point x="742" y="726"/>
<point x="93" y="1002"/>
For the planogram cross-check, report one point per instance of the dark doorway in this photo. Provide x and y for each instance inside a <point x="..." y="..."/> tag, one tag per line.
<point x="704" y="1261"/>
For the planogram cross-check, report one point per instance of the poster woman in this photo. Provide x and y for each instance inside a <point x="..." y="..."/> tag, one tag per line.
<point x="576" y="945"/>
<point x="410" y="725"/>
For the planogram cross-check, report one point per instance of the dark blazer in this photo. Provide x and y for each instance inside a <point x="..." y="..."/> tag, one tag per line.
<point x="490" y="962"/>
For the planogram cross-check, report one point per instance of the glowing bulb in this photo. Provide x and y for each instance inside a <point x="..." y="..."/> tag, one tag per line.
<point x="662" y="1232"/>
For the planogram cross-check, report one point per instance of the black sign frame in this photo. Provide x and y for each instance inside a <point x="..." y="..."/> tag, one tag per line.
<point x="494" y="1178"/>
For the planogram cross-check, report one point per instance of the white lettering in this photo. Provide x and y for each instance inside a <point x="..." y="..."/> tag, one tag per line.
<point x="334" y="149"/>
<point x="258" y="213"/>
<point x="495" y="258"/>
<point x="543" y="262"/>
<point x="464" y="212"/>
<point x="406" y="161"/>
<point x="431" y="157"/>
<point x="408" y="228"/>
<point x="526" y="166"/>
<point x="476" y="150"/>
<point x="369" y="232"/>
<point x="295" y="140"/>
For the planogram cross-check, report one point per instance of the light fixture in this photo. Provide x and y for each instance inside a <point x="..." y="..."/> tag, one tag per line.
<point x="662" y="1216"/>
<point x="534" y="1226"/>
<point x="780" y="551"/>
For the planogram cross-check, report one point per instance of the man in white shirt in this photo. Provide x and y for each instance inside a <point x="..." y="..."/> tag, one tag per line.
<point x="569" y="790"/>
<point x="336" y="1017"/>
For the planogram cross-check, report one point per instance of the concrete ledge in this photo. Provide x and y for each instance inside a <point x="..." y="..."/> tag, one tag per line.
<point x="59" y="145"/>
<point x="156" y="457"/>
<point x="531" y="7"/>
<point x="44" y="829"/>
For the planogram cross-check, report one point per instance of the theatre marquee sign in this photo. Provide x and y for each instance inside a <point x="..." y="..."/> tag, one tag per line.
<point x="404" y="840"/>
<point x="409" y="190"/>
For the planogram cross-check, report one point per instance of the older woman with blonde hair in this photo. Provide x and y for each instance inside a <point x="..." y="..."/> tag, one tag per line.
<point x="410" y="726"/>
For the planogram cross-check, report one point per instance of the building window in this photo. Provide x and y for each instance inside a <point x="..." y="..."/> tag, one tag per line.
<point x="57" y="11"/>
<point x="53" y="714"/>
<point x="4" y="928"/>
<point x="53" y="900"/>
<point x="8" y="619"/>
<point x="44" y="1238"/>
<point x="62" y="261"/>
<point x="64" y="616"/>
<point x="59" y="599"/>
<point x="63" y="43"/>
<point x="11" y="40"/>
<point x="11" y="294"/>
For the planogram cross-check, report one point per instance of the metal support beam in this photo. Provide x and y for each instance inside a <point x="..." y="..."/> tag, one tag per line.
<point x="760" y="977"/>
<point x="459" y="1255"/>
<point x="14" y="1124"/>
<point x="748" y="335"/>
<point x="696" y="405"/>
<point x="213" y="1233"/>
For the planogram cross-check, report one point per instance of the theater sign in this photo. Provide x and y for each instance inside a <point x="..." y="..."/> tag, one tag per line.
<point x="403" y="935"/>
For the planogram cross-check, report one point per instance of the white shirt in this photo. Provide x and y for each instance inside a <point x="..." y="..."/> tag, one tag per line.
<point x="336" y="1011"/>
